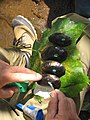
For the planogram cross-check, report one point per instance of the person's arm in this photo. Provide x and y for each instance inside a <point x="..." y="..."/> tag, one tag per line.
<point x="61" y="107"/>
<point x="9" y="74"/>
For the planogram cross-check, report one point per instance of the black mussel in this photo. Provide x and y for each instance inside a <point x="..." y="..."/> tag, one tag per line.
<point x="60" y="39"/>
<point x="56" y="84"/>
<point x="54" y="53"/>
<point x="53" y="67"/>
<point x="46" y="78"/>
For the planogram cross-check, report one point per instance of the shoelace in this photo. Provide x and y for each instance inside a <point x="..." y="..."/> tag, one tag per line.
<point x="20" y="43"/>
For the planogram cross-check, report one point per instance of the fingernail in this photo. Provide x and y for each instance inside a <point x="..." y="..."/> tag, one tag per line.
<point x="57" y="90"/>
<point x="52" y="94"/>
<point x="35" y="76"/>
<point x="38" y="76"/>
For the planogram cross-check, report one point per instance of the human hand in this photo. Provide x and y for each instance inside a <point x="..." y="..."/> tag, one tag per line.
<point x="11" y="74"/>
<point x="61" y="107"/>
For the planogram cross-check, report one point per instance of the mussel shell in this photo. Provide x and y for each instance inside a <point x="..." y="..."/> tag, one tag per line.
<point x="54" y="53"/>
<point x="60" y="39"/>
<point x="50" y="78"/>
<point x="53" y="67"/>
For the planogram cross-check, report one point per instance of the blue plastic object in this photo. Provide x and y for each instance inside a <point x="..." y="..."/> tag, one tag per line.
<point x="32" y="111"/>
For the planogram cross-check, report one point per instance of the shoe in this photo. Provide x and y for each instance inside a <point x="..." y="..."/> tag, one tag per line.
<point x="25" y="34"/>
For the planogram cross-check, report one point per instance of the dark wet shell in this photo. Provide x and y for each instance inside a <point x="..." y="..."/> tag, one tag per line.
<point x="50" y="78"/>
<point x="53" y="67"/>
<point x="60" y="39"/>
<point x="56" y="84"/>
<point x="54" y="53"/>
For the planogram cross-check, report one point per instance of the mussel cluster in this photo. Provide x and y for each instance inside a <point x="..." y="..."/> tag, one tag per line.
<point x="53" y="56"/>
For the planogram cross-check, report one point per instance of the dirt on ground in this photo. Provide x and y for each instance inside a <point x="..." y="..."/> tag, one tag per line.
<point x="9" y="9"/>
<point x="39" y="12"/>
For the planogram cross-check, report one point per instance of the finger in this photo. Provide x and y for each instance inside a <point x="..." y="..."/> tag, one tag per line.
<point x="66" y="106"/>
<point x="6" y="93"/>
<point x="71" y="109"/>
<point x="63" y="104"/>
<point x="20" y="69"/>
<point x="60" y="95"/>
<point x="22" y="77"/>
<point x="72" y="105"/>
<point x="19" y="77"/>
<point x="52" y="107"/>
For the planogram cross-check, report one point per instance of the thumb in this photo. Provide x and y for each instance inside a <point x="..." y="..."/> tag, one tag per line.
<point x="7" y="92"/>
<point x="52" y="107"/>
